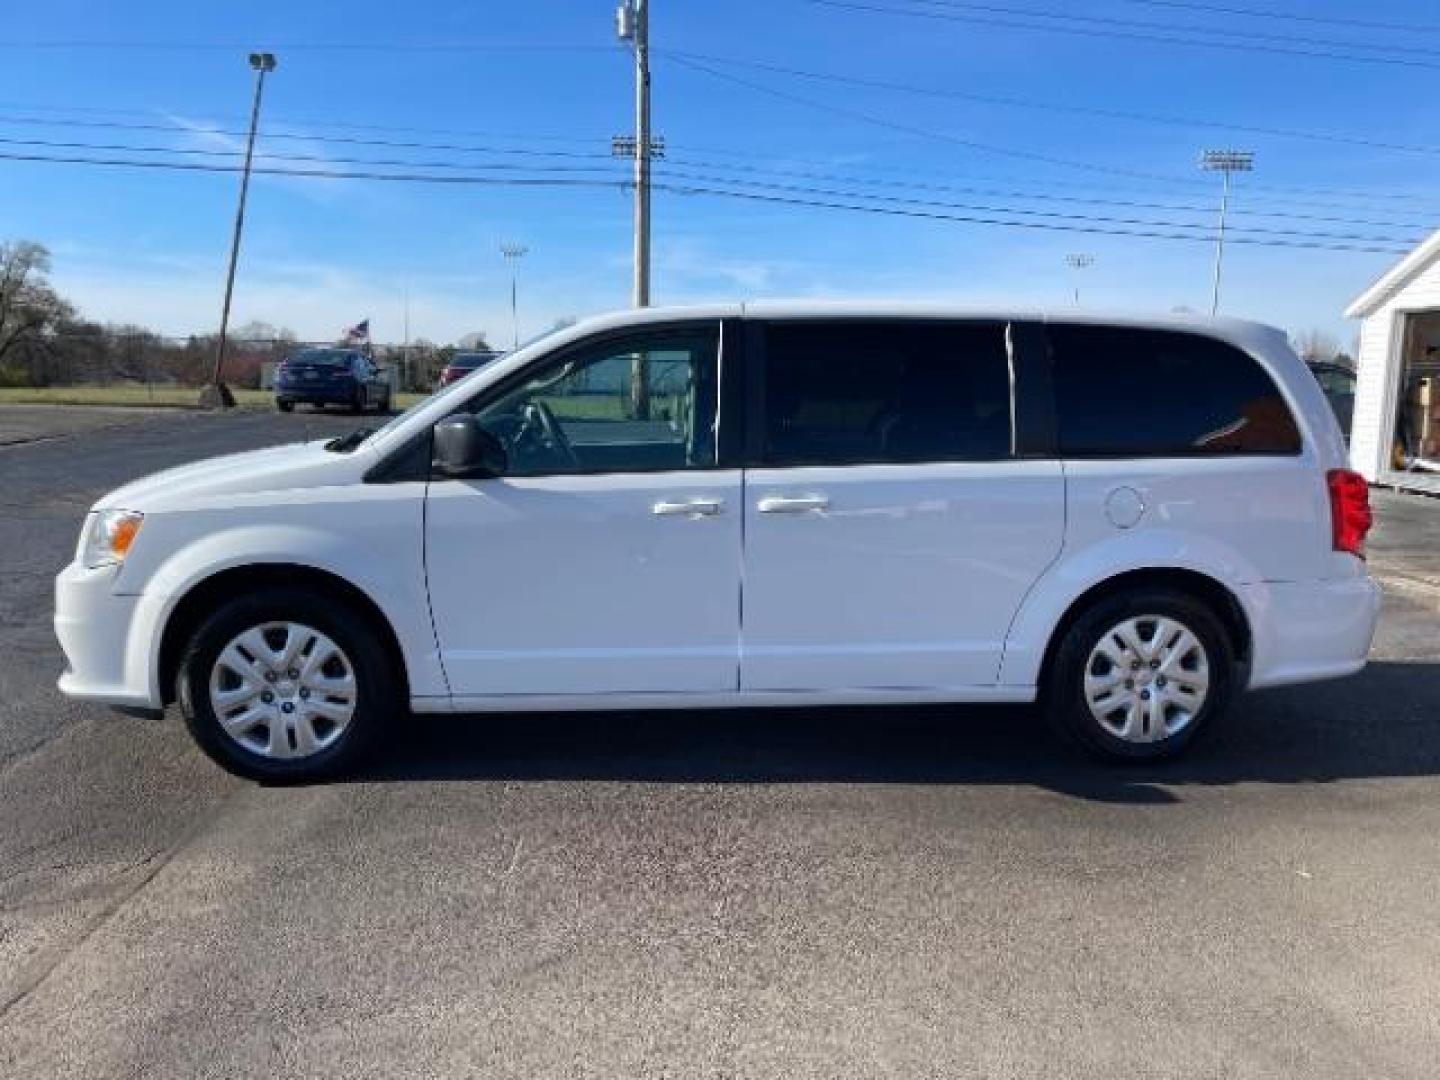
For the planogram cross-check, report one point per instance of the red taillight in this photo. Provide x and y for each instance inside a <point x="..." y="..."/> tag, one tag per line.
<point x="1350" y="516"/>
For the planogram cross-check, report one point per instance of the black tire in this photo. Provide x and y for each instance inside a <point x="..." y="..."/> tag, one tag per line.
<point x="1063" y="696"/>
<point x="284" y="405"/>
<point x="377" y="696"/>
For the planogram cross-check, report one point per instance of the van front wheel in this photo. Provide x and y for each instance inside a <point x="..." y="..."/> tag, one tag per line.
<point x="1141" y="675"/>
<point x="285" y="685"/>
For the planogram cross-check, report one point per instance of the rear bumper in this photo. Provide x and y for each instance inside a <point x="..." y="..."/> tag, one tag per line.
<point x="316" y="395"/>
<point x="1310" y="630"/>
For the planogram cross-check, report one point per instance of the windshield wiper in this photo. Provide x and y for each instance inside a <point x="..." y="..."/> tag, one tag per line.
<point x="345" y="443"/>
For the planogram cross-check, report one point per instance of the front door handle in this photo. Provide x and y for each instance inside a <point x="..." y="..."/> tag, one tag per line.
<point x="792" y="504"/>
<point x="688" y="508"/>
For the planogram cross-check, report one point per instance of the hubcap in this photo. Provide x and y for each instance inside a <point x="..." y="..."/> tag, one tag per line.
<point x="1147" y="678"/>
<point x="283" y="690"/>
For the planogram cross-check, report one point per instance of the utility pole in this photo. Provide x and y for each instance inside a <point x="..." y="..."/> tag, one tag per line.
<point x="217" y="395"/>
<point x="1224" y="162"/>
<point x="513" y="252"/>
<point x="1077" y="262"/>
<point x="632" y="21"/>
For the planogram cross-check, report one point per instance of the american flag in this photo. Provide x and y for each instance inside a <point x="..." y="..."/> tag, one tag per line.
<point x="358" y="334"/>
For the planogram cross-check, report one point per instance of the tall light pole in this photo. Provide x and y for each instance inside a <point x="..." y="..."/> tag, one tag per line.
<point x="512" y="253"/>
<point x="217" y="395"/>
<point x="1078" y="261"/>
<point x="1224" y="162"/>
<point x="632" y="23"/>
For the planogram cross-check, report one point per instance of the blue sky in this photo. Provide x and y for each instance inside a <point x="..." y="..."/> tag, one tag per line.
<point x="547" y="78"/>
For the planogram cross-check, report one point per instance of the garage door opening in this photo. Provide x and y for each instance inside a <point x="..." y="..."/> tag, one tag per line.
<point x="1415" y="429"/>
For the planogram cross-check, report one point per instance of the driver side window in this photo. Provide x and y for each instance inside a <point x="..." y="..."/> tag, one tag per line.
<point x="642" y="403"/>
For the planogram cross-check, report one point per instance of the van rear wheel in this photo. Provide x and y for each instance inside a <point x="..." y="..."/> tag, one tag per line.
<point x="1141" y="675"/>
<point x="286" y="685"/>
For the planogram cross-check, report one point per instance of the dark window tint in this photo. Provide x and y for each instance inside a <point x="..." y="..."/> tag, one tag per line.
<point x="1146" y="393"/>
<point x="839" y="393"/>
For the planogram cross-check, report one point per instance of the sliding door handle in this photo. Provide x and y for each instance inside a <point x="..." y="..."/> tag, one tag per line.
<point x="688" y="508"/>
<point x="792" y="504"/>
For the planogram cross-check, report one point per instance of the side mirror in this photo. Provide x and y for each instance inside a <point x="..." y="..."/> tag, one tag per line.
<point x="465" y="450"/>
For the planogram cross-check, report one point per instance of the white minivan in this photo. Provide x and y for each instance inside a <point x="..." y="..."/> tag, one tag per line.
<point x="1128" y="520"/>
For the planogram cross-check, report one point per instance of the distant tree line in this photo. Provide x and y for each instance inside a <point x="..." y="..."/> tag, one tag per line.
<point x="45" y="342"/>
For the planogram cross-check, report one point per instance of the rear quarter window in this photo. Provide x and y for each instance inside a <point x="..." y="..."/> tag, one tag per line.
<point x="1123" y="392"/>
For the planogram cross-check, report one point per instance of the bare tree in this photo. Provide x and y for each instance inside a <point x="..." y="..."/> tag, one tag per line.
<point x="29" y="307"/>
<point x="1315" y="346"/>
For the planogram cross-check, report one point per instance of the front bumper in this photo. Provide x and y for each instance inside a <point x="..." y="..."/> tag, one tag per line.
<point x="105" y="660"/>
<point x="1308" y="630"/>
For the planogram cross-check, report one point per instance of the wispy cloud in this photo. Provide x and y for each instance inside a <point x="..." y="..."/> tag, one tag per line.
<point x="198" y="134"/>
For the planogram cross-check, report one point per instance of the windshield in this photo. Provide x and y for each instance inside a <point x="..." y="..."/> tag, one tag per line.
<point x="456" y="387"/>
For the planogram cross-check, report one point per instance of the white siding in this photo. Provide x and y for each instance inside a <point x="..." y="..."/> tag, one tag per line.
<point x="1371" y="370"/>
<point x="1378" y="370"/>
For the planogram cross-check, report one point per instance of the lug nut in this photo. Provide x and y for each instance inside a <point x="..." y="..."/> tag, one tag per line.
<point x="304" y="693"/>
<point x="269" y="676"/>
<point x="267" y="697"/>
<point x="288" y="707"/>
<point x="1145" y="695"/>
<point x="292" y="674"/>
<point x="1129" y="684"/>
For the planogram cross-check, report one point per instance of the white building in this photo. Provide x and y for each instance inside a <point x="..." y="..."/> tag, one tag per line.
<point x="1395" y="434"/>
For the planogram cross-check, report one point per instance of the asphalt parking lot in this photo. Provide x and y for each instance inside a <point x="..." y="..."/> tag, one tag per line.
<point x="861" y="892"/>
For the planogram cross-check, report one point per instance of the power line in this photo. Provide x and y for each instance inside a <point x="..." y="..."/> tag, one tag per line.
<point x="318" y="158"/>
<point x="1046" y="106"/>
<point x="1049" y="215"/>
<point x="926" y="133"/>
<point x="300" y="122"/>
<point x="1157" y="230"/>
<point x="530" y="152"/>
<point x="612" y="167"/>
<point x="878" y="121"/>
<point x="1094" y="31"/>
<point x="1086" y="200"/>
<point x="1257" y="13"/>
<point x="347" y="140"/>
<point x="1042" y="226"/>
<point x="446" y="45"/>
<point x="677" y="55"/>
<point x="1245" y="34"/>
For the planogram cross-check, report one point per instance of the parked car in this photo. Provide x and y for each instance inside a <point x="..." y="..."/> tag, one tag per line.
<point x="1337" y="382"/>
<point x="332" y="377"/>
<point x="1128" y="521"/>
<point x="462" y="364"/>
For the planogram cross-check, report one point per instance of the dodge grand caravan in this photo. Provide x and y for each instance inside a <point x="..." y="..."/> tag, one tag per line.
<point x="1129" y="521"/>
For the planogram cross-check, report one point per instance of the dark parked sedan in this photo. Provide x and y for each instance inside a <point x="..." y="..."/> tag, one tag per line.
<point x="462" y="364"/>
<point x="331" y="377"/>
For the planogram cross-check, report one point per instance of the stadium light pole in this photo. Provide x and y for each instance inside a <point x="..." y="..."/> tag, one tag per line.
<point x="1224" y="162"/>
<point x="512" y="253"/>
<point x="217" y="395"/>
<point x="1078" y="261"/>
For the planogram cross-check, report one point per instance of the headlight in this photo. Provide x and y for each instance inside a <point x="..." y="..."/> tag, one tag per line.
<point x="109" y="535"/>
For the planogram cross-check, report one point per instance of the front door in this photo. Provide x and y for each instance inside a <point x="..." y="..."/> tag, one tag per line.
<point x="890" y="530"/>
<point x="607" y="558"/>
